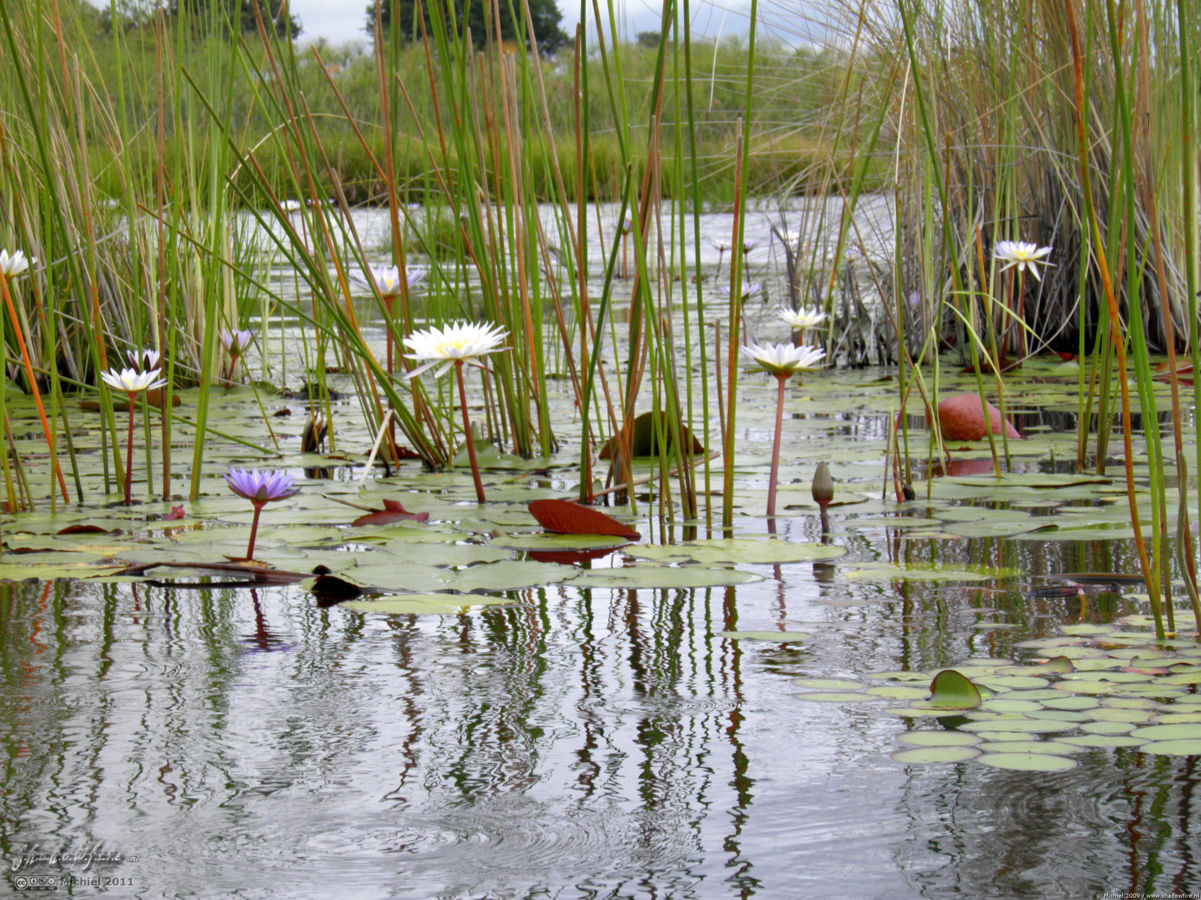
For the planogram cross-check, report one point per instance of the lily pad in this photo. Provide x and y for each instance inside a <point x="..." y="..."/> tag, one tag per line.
<point x="1185" y="732"/>
<point x="939" y="739"/>
<point x="651" y="576"/>
<point x="422" y="604"/>
<point x="837" y="697"/>
<point x="1173" y="748"/>
<point x="932" y="572"/>
<point x="828" y="684"/>
<point x="738" y="550"/>
<point x="1028" y="762"/>
<point x="775" y="637"/>
<point x="1058" y="748"/>
<point x="952" y="690"/>
<point x="935" y="755"/>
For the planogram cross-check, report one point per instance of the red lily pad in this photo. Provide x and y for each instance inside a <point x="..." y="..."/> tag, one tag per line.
<point x="962" y="419"/>
<point x="393" y="511"/>
<point x="566" y="517"/>
<point x="83" y="529"/>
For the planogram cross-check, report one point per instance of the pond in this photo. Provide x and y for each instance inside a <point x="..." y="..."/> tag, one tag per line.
<point x="178" y="733"/>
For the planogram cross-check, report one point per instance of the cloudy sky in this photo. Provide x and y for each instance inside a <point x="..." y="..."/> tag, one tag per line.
<point x="341" y="20"/>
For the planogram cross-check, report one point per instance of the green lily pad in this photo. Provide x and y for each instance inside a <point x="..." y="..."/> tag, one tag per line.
<point x="543" y="541"/>
<point x="1073" y="703"/>
<point x="653" y="576"/>
<point x="422" y="604"/>
<point x="934" y="755"/>
<point x="775" y="637"/>
<point x="953" y="690"/>
<point x="508" y="575"/>
<point x="1023" y="724"/>
<point x="1007" y="705"/>
<point x="1173" y="748"/>
<point x="837" y="697"/>
<point x="930" y="572"/>
<point x="1186" y="732"/>
<point x="738" y="550"/>
<point x="1058" y="748"/>
<point x="899" y="692"/>
<point x="941" y="738"/>
<point x="1106" y="727"/>
<point x="1101" y="740"/>
<point x="1127" y="716"/>
<point x="1028" y="762"/>
<point x="828" y="684"/>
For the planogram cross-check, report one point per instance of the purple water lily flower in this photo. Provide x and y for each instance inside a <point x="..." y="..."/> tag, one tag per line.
<point x="260" y="488"/>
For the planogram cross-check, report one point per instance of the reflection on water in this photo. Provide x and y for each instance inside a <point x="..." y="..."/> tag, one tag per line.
<point x="586" y="743"/>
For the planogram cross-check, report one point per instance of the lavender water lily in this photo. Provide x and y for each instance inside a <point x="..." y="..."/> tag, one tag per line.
<point x="260" y="488"/>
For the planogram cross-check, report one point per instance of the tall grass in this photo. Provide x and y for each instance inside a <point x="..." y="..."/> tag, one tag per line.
<point x="1066" y="125"/>
<point x="138" y="164"/>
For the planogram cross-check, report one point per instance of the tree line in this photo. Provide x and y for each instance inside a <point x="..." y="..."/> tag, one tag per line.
<point x="412" y="18"/>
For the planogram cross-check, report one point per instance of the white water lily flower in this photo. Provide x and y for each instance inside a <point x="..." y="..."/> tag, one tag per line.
<point x="131" y="381"/>
<point x="386" y="279"/>
<point x="454" y="343"/>
<point x="802" y="318"/>
<point x="1021" y="255"/>
<point x="14" y="264"/>
<point x="785" y="359"/>
<point x="144" y="359"/>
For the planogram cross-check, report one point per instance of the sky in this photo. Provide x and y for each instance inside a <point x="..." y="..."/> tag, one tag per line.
<point x="342" y="20"/>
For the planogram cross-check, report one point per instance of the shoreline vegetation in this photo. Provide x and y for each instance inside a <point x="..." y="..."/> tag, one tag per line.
<point x="129" y="154"/>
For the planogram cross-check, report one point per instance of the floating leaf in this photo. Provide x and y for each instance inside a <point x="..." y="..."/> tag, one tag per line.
<point x="541" y="542"/>
<point x="423" y="604"/>
<point x="837" y="697"/>
<point x="932" y="572"/>
<point x="1019" y="745"/>
<point x="939" y="739"/>
<point x="1023" y="724"/>
<point x="1028" y="762"/>
<point x="567" y="517"/>
<point x="1101" y="740"/>
<point x="775" y="637"/>
<point x="1173" y="748"/>
<point x="934" y="755"/>
<point x="1186" y="732"/>
<point x="651" y="576"/>
<point x="828" y="684"/>
<point x="738" y="550"/>
<point x="83" y="529"/>
<point x="393" y="511"/>
<point x="952" y="690"/>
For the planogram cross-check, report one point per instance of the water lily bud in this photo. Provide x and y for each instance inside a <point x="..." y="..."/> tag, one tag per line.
<point x="823" y="485"/>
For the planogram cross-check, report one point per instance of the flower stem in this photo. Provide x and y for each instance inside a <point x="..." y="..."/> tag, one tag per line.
<point x="775" y="448"/>
<point x="475" y="466"/>
<point x="388" y="298"/>
<point x="129" y="455"/>
<point x="254" y="528"/>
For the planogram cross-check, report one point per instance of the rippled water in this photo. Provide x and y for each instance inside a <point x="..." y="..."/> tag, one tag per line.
<point x="578" y="744"/>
